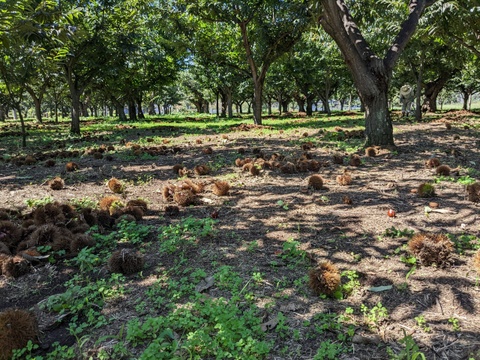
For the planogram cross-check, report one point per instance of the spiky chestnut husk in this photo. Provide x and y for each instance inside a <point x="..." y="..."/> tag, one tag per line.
<point x="337" y="159"/>
<point x="370" y="151"/>
<point x="104" y="218"/>
<point x="314" y="165"/>
<point x="196" y="188"/>
<point x="172" y="210"/>
<point x="426" y="190"/>
<point x="4" y="249"/>
<point x="301" y="166"/>
<point x="207" y="150"/>
<point x="221" y="188"/>
<point x="448" y="126"/>
<point x="49" y="214"/>
<point x="71" y="166"/>
<point x="432" y="163"/>
<point x="315" y="182"/>
<point x="126" y="261"/>
<point x="324" y="279"/>
<point x="43" y="235"/>
<point x="30" y="160"/>
<point x="431" y="249"/>
<point x="347" y="200"/>
<point x="167" y="192"/>
<point x="443" y="170"/>
<point x="251" y="168"/>
<point x="184" y="172"/>
<point x="89" y="216"/>
<point x="176" y="168"/>
<point x="139" y="203"/>
<point x="81" y="241"/>
<point x="288" y="168"/>
<point x="106" y="202"/>
<point x="115" y="186"/>
<point x="344" y="179"/>
<point x="184" y="197"/>
<point x="473" y="192"/>
<point x="13" y="266"/>
<point x="201" y="170"/>
<point x="239" y="162"/>
<point x="50" y="163"/>
<point x="17" y="327"/>
<point x="355" y="160"/>
<point x="476" y="261"/>
<point x="68" y="211"/>
<point x="10" y="233"/>
<point x="135" y="211"/>
<point x="56" y="183"/>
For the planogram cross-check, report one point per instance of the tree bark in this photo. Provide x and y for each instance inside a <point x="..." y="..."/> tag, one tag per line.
<point x="132" y="111"/>
<point x="141" y="115"/>
<point x="37" y="101"/>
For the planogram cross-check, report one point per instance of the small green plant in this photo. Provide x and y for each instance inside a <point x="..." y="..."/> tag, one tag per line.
<point x="375" y="315"/>
<point x="132" y="232"/>
<point x="84" y="203"/>
<point x="292" y="252"/>
<point x="455" y="323"/>
<point x="83" y="300"/>
<point x="187" y="232"/>
<point x="257" y="277"/>
<point x="252" y="246"/>
<point x="422" y="323"/>
<point x="214" y="328"/>
<point x="410" y="352"/>
<point x="465" y="242"/>
<point x="352" y="283"/>
<point x="33" y="203"/>
<point x="393" y="232"/>
<point x="282" y="204"/>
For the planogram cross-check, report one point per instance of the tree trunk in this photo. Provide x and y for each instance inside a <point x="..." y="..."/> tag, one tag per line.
<point x="132" y="111"/>
<point x="151" y="108"/>
<point x="309" y="105"/>
<point x="224" y="105"/>
<point x="285" y="105"/>
<point x="38" y="106"/>
<point x="371" y="74"/>
<point x="378" y="124"/>
<point x="326" y="106"/>
<point x="466" y="97"/>
<point x="75" y="95"/>
<point x="300" y="103"/>
<point x="257" y="102"/>
<point x="432" y="89"/>
<point x="140" y="113"/>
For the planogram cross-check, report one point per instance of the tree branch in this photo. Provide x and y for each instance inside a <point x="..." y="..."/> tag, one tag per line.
<point x="406" y="32"/>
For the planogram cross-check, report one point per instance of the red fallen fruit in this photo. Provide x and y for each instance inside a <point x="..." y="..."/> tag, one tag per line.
<point x="391" y="213"/>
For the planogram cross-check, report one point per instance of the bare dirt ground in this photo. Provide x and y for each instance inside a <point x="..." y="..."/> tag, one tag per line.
<point x="262" y="212"/>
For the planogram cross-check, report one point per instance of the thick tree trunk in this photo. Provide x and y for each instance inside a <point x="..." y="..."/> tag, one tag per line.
<point x="371" y="74"/>
<point x="257" y="103"/>
<point x="432" y="89"/>
<point x="326" y="106"/>
<point x="378" y="124"/>
<point x="75" y="95"/>
<point x="301" y="104"/>
<point x="223" y="113"/>
<point x="132" y="110"/>
<point x="309" y="106"/>
<point x="140" y="113"/>
<point x="466" y="97"/>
